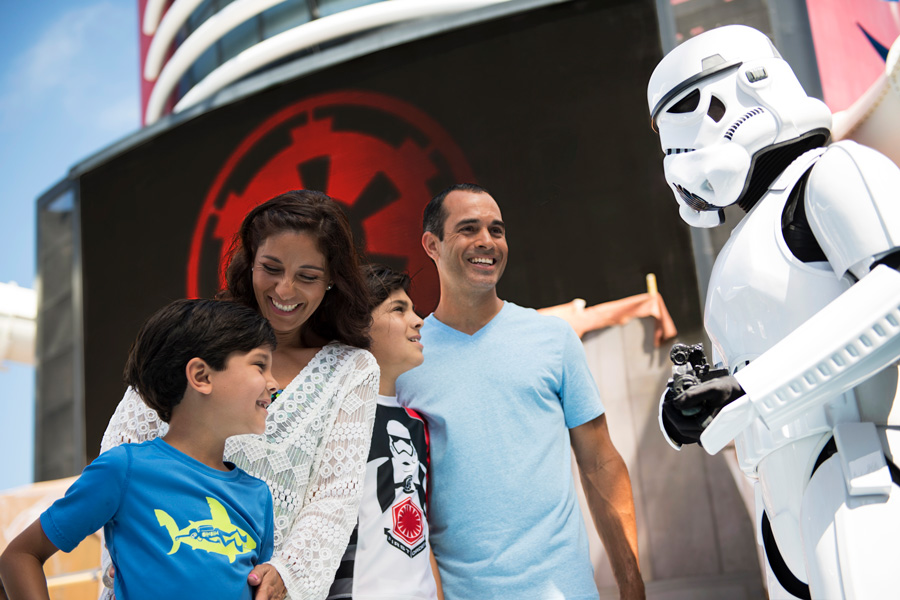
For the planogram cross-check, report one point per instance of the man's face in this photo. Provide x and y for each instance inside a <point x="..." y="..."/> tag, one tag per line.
<point x="472" y="255"/>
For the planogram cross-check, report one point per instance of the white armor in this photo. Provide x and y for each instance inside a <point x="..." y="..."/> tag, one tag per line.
<point x="809" y="342"/>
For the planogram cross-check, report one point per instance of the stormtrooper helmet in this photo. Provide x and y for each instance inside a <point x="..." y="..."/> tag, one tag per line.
<point x="404" y="457"/>
<point x="731" y="116"/>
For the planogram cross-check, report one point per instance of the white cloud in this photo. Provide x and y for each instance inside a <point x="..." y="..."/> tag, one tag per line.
<point x="82" y="65"/>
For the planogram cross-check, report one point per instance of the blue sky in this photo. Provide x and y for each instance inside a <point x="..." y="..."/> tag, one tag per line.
<point x="69" y="86"/>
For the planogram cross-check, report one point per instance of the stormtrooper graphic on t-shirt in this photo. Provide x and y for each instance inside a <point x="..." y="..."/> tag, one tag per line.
<point x="388" y="553"/>
<point x="401" y="490"/>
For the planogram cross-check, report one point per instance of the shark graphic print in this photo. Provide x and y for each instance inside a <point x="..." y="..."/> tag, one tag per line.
<point x="216" y="535"/>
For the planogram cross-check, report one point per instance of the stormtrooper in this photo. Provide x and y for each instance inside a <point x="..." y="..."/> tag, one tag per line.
<point x="406" y="471"/>
<point x="803" y="311"/>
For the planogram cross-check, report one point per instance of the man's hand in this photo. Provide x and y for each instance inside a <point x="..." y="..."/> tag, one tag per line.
<point x="687" y="414"/>
<point x="268" y="583"/>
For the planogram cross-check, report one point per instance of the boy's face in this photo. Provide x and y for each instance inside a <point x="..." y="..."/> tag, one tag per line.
<point x="395" y="335"/>
<point x="243" y="391"/>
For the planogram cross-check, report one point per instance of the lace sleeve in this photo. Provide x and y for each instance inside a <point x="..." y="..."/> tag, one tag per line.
<point x="133" y="422"/>
<point x="312" y="550"/>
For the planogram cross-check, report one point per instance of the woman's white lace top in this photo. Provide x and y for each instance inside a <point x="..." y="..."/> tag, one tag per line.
<point x="312" y="456"/>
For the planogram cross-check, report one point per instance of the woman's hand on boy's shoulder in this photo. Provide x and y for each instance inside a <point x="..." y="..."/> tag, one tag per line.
<point x="267" y="581"/>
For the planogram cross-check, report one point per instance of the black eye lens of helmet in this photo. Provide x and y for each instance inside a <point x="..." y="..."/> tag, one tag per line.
<point x="716" y="109"/>
<point x="687" y="104"/>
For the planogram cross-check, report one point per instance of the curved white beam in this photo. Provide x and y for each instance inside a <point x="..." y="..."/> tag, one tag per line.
<point x="164" y="34"/>
<point x="298" y="38"/>
<point x="207" y="34"/>
<point x="153" y="11"/>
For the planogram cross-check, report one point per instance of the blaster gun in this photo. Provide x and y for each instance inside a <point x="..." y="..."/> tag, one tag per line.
<point x="690" y="368"/>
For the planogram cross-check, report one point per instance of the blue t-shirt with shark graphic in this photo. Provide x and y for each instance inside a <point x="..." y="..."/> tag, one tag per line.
<point x="175" y="527"/>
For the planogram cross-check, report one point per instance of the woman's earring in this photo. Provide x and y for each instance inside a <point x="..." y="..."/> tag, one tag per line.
<point x="329" y="286"/>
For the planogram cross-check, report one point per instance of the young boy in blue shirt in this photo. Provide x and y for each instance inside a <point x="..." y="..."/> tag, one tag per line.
<point x="178" y="521"/>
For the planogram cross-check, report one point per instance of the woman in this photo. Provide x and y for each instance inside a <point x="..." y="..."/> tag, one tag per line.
<point x="389" y="553"/>
<point x="294" y="261"/>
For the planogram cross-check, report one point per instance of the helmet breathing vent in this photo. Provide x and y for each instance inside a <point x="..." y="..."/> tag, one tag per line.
<point x="756" y="111"/>
<point x="693" y="200"/>
<point x="670" y="151"/>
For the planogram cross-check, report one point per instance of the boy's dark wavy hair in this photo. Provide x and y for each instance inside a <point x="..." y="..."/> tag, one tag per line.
<point x="343" y="314"/>
<point x="186" y="329"/>
<point x="383" y="281"/>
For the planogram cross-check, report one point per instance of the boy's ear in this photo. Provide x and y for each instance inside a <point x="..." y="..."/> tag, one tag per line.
<point x="198" y="375"/>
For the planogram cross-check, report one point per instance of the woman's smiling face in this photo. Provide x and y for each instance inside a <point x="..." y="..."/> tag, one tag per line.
<point x="290" y="277"/>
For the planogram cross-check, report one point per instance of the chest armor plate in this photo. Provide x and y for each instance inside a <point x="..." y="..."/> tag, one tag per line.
<point x="758" y="291"/>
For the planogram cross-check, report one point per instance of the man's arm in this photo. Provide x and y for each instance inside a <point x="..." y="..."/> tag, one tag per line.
<point x="607" y="487"/>
<point x="22" y="563"/>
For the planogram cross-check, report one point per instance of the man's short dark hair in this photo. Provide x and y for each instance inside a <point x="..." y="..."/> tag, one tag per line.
<point x="186" y="329"/>
<point x="435" y="216"/>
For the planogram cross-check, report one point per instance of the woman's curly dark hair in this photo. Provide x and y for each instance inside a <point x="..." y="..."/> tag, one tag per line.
<point x="343" y="314"/>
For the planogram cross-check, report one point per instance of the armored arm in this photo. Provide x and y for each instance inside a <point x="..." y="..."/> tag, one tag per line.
<point x="853" y="209"/>
<point x="848" y="341"/>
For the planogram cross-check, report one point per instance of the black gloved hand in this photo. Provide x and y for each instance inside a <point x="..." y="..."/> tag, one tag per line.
<point x="710" y="395"/>
<point x="681" y="429"/>
<point x="702" y="402"/>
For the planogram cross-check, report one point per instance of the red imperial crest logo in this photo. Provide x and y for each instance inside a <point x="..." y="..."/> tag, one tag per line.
<point x="407" y="521"/>
<point x="382" y="158"/>
<point x="407" y="534"/>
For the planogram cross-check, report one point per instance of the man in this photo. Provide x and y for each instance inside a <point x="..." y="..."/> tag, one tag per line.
<point x="499" y="387"/>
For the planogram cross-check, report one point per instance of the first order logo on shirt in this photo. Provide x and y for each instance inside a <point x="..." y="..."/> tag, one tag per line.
<point x="217" y="534"/>
<point x="407" y="534"/>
